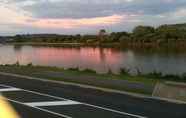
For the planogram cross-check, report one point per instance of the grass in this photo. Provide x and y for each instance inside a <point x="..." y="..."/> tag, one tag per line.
<point x="30" y="69"/>
<point x="91" y="77"/>
<point x="150" y="78"/>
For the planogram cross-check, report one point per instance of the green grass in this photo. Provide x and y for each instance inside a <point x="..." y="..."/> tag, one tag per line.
<point x="150" y="78"/>
<point x="35" y="71"/>
<point x="29" y="70"/>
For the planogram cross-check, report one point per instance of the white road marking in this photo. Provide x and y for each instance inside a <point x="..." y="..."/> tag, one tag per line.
<point x="94" y="106"/>
<point x="55" y="103"/>
<point x="76" y="84"/>
<point x="92" y="87"/>
<point x="54" y="113"/>
<point x="9" y="89"/>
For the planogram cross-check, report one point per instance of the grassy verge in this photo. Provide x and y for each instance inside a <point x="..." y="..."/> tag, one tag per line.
<point x="30" y="70"/>
<point x="90" y="77"/>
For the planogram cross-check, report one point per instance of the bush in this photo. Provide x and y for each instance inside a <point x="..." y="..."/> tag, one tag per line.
<point x="89" y="71"/>
<point x="125" y="71"/>
<point x="29" y="64"/>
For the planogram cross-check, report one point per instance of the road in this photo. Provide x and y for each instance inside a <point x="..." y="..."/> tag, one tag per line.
<point x="39" y="99"/>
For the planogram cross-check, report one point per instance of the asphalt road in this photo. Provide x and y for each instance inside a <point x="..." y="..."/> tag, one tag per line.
<point x="38" y="99"/>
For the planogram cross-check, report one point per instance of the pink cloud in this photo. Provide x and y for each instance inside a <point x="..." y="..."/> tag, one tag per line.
<point x="74" y="23"/>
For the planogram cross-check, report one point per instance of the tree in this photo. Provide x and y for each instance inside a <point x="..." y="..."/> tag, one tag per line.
<point x="170" y="32"/>
<point x="115" y="36"/>
<point x="140" y="32"/>
<point x="102" y="32"/>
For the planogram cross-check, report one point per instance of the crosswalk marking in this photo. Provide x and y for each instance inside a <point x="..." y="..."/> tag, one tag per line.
<point x="53" y="103"/>
<point x="61" y="102"/>
<point x="9" y="89"/>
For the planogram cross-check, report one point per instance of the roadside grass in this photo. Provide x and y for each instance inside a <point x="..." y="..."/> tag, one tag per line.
<point x="148" y="80"/>
<point x="104" y="86"/>
<point x="90" y="77"/>
<point x="36" y="71"/>
<point x="30" y="70"/>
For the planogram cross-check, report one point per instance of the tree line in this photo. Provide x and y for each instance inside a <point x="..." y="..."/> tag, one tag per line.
<point x="163" y="34"/>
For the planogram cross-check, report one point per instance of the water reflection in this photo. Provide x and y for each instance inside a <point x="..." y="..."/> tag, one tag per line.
<point x="100" y="59"/>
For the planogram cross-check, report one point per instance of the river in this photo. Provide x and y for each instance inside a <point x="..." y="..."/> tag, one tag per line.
<point x="96" y="58"/>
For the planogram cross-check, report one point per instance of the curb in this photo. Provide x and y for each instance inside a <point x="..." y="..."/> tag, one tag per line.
<point x="75" y="84"/>
<point x="93" y="87"/>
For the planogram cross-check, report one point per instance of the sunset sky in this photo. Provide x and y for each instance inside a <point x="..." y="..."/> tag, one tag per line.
<point x="86" y="16"/>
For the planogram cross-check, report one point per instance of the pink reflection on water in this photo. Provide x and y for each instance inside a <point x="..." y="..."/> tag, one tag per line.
<point x="100" y="59"/>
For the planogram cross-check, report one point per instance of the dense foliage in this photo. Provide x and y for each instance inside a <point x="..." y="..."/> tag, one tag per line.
<point x="141" y="34"/>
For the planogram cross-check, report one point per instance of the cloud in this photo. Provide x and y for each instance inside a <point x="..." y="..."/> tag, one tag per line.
<point x="10" y="16"/>
<point x="74" y="23"/>
<point x="87" y="15"/>
<point x="95" y="8"/>
<point x="180" y="13"/>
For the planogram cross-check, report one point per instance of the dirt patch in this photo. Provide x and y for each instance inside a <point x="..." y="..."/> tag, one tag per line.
<point x="171" y="90"/>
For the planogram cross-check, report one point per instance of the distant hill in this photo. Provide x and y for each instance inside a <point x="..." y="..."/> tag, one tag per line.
<point x="179" y="26"/>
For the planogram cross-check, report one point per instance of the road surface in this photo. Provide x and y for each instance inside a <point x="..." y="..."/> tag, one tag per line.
<point x="39" y="99"/>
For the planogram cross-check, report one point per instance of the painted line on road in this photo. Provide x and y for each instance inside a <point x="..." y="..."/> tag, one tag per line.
<point x="96" y="88"/>
<point x="90" y="105"/>
<point x="76" y="84"/>
<point x="44" y="110"/>
<point x="55" y="103"/>
<point x="9" y="89"/>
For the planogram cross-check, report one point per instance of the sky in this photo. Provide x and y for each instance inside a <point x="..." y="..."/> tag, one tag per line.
<point x="86" y="16"/>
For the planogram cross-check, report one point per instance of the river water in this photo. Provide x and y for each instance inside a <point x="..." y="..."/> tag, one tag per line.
<point x="96" y="58"/>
